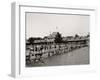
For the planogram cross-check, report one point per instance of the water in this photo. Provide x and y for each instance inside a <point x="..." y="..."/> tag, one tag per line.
<point x="79" y="56"/>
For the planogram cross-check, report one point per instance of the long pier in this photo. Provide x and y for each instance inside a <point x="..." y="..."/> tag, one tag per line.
<point x="45" y="49"/>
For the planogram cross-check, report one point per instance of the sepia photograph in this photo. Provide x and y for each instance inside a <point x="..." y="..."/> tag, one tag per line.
<point x="56" y="39"/>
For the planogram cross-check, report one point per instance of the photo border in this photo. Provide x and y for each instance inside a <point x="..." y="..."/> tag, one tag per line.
<point x="16" y="55"/>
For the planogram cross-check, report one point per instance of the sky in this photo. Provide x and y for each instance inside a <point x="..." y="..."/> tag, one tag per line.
<point x="43" y="24"/>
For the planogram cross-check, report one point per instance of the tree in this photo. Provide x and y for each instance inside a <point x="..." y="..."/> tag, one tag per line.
<point x="88" y="35"/>
<point x="76" y="35"/>
<point x="58" y="38"/>
<point x="31" y="40"/>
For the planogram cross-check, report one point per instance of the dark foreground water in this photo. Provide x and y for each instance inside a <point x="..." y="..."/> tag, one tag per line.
<point x="79" y="56"/>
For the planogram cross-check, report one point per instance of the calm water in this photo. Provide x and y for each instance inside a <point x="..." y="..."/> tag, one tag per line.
<point x="79" y="56"/>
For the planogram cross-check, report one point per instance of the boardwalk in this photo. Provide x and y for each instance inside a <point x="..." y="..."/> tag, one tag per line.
<point x="79" y="56"/>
